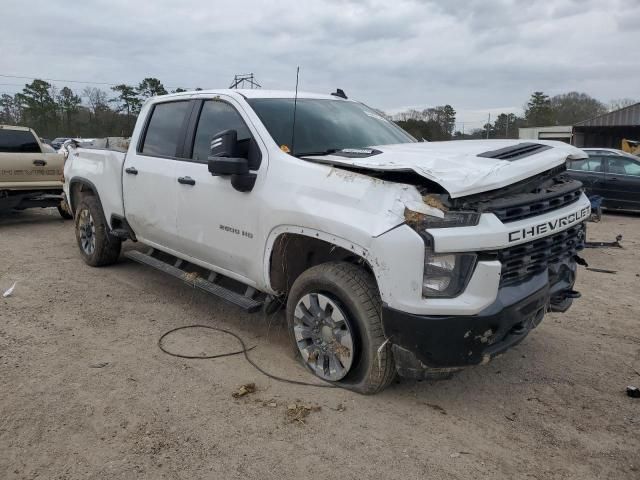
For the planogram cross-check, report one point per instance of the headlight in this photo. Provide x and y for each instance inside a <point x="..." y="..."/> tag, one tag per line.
<point x="446" y="275"/>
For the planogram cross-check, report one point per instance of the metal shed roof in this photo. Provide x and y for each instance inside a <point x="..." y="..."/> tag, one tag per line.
<point x="625" y="117"/>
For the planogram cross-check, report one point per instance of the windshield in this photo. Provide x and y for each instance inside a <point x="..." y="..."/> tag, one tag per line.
<point x="326" y="125"/>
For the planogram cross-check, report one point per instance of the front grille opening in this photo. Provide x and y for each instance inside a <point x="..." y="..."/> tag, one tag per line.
<point x="524" y="261"/>
<point x="513" y="213"/>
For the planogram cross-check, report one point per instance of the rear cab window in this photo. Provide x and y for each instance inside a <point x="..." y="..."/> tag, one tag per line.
<point x="18" y="141"/>
<point x="164" y="129"/>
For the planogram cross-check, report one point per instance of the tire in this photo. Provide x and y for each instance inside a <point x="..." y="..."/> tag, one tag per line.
<point x="98" y="248"/>
<point x="63" y="210"/>
<point x="353" y="291"/>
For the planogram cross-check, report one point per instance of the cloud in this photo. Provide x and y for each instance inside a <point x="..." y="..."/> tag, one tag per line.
<point x="472" y="54"/>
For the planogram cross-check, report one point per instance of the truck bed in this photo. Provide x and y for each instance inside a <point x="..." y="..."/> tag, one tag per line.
<point x="103" y="168"/>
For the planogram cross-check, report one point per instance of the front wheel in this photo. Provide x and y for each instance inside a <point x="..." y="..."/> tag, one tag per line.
<point x="97" y="246"/>
<point x="333" y="314"/>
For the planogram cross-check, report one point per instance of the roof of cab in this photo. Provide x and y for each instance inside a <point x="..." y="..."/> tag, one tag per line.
<point x="254" y="93"/>
<point x="15" y="127"/>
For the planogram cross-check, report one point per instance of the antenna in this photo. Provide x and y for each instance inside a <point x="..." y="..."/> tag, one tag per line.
<point x="295" y="106"/>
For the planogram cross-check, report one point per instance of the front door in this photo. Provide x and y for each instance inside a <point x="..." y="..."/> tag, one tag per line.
<point x="622" y="182"/>
<point x="149" y="179"/>
<point x="590" y="171"/>
<point x="217" y="224"/>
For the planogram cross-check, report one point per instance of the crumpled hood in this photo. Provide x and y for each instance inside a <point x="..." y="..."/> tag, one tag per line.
<point x="456" y="166"/>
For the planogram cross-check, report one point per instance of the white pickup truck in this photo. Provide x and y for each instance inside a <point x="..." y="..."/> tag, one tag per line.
<point x="392" y="255"/>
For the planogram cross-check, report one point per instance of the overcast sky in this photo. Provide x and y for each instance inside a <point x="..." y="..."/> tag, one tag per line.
<point x="477" y="55"/>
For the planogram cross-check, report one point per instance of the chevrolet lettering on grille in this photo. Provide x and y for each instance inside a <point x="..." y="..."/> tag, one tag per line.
<point x="549" y="226"/>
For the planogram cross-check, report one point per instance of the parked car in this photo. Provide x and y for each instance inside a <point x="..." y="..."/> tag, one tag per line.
<point x="30" y="173"/>
<point x="391" y="255"/>
<point x="611" y="174"/>
<point x="56" y="143"/>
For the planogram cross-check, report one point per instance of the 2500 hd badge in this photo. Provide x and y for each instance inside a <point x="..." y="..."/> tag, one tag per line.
<point x="549" y="226"/>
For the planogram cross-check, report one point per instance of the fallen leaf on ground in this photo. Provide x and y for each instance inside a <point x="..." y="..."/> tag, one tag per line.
<point x="99" y="365"/>
<point x="297" y="412"/>
<point x="244" y="390"/>
<point x="437" y="408"/>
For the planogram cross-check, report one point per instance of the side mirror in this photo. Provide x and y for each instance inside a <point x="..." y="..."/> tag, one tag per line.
<point x="224" y="144"/>
<point x="228" y="166"/>
<point x="224" y="160"/>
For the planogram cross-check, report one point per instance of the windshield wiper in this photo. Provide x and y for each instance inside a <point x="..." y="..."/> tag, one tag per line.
<point x="329" y="151"/>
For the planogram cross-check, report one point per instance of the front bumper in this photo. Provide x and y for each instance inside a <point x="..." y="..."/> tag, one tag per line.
<point x="426" y="342"/>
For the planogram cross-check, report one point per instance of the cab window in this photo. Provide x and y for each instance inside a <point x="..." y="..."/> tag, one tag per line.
<point x="18" y="141"/>
<point x="164" y="129"/>
<point x="215" y="117"/>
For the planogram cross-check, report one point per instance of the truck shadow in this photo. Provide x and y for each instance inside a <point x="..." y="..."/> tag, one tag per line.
<point x="18" y="217"/>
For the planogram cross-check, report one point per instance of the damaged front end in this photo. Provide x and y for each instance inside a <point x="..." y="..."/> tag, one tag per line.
<point x="536" y="276"/>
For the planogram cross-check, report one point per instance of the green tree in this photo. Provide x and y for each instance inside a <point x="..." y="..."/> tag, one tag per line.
<point x="69" y="104"/>
<point x="151" y="87"/>
<point x="38" y="106"/>
<point x="127" y="101"/>
<point x="507" y="125"/>
<point x="573" y="107"/>
<point x="539" y="112"/>
<point x="448" y="119"/>
<point x="10" y="110"/>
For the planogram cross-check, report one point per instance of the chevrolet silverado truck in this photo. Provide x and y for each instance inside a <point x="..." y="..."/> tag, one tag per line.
<point x="30" y="172"/>
<point x="391" y="255"/>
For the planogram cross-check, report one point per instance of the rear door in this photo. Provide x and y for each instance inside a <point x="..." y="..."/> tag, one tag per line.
<point x="590" y="172"/>
<point x="24" y="165"/>
<point x="622" y="182"/>
<point x="149" y="179"/>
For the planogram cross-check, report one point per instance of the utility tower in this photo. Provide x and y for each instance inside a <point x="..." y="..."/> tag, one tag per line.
<point x="244" y="79"/>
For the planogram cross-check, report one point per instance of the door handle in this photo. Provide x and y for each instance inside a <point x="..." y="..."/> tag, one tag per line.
<point x="614" y="179"/>
<point x="39" y="162"/>
<point x="131" y="170"/>
<point x="186" y="180"/>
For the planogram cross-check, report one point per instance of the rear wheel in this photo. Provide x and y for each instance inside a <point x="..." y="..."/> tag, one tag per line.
<point x="97" y="246"/>
<point x="333" y="313"/>
<point x="63" y="210"/>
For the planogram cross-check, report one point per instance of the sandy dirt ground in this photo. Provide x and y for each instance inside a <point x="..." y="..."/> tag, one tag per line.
<point x="85" y="393"/>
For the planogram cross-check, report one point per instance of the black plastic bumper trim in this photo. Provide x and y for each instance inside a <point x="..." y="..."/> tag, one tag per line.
<point x="458" y="341"/>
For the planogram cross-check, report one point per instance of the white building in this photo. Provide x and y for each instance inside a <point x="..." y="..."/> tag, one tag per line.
<point x="563" y="133"/>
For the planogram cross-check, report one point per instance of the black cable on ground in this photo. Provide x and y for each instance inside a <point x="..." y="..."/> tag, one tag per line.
<point x="244" y="351"/>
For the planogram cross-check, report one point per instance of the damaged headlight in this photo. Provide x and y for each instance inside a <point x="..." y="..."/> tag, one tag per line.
<point x="452" y="219"/>
<point x="446" y="275"/>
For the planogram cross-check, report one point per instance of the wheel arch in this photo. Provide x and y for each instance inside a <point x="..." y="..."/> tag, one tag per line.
<point x="292" y="250"/>
<point x="80" y="187"/>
